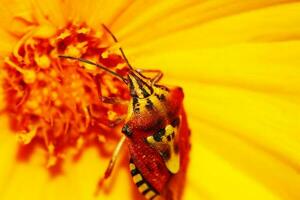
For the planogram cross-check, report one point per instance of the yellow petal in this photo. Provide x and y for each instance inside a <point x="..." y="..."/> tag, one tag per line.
<point x="266" y="67"/>
<point x="93" y="12"/>
<point x="49" y="11"/>
<point x="213" y="177"/>
<point x="8" y="147"/>
<point x="255" y="132"/>
<point x="36" y="12"/>
<point x="215" y="26"/>
<point x="267" y="170"/>
<point x="6" y="44"/>
<point x="85" y="174"/>
<point x="266" y="121"/>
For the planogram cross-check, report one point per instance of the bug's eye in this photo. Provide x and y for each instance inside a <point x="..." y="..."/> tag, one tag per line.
<point x="127" y="130"/>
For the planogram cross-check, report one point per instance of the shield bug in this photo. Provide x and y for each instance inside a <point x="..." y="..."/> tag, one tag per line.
<point x="155" y="130"/>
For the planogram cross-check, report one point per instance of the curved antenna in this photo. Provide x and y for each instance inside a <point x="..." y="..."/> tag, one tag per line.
<point x="120" y="48"/>
<point x="95" y="64"/>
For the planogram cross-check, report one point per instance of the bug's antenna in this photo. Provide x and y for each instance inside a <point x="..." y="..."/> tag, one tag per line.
<point x="120" y="48"/>
<point x="95" y="64"/>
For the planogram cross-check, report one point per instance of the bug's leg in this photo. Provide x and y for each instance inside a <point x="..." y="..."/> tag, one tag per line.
<point x="111" y="163"/>
<point x="108" y="100"/>
<point x="118" y="120"/>
<point x="114" y="157"/>
<point x="113" y="100"/>
<point x="157" y="76"/>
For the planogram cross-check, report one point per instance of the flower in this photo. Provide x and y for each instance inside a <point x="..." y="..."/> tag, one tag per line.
<point x="237" y="63"/>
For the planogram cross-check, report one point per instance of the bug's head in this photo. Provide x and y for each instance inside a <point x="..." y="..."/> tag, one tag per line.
<point x="138" y="85"/>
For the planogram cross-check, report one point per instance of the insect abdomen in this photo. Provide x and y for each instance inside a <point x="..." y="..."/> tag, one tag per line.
<point x="143" y="186"/>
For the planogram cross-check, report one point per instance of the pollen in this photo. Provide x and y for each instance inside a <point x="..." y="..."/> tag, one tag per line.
<point x="55" y="104"/>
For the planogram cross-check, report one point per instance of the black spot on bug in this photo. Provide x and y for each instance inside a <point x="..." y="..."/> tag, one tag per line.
<point x="134" y="172"/>
<point x="135" y="101"/>
<point x="131" y="88"/>
<point x="166" y="154"/>
<point x="163" y="87"/>
<point x="160" y="97"/>
<point x="175" y="122"/>
<point x="142" y="85"/>
<point x="135" y="104"/>
<point x="149" y="105"/>
<point x="126" y="130"/>
<point x="138" y="184"/>
<point x="146" y="191"/>
<point x="157" y="136"/>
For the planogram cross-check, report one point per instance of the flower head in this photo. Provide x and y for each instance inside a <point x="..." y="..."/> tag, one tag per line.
<point x="58" y="104"/>
<point x="237" y="62"/>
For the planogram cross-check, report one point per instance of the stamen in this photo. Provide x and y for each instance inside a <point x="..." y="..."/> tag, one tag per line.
<point x="29" y="75"/>
<point x="26" y="137"/>
<point x="56" y="102"/>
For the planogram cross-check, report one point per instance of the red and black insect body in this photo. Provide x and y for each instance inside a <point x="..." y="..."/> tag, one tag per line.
<point x="156" y="132"/>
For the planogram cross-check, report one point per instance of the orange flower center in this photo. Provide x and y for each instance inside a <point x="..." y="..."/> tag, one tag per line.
<point x="56" y="104"/>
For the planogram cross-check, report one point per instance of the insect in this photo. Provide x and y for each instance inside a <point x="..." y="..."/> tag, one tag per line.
<point x="152" y="129"/>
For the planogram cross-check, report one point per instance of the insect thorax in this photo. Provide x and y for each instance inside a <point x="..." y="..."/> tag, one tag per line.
<point x="155" y="111"/>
